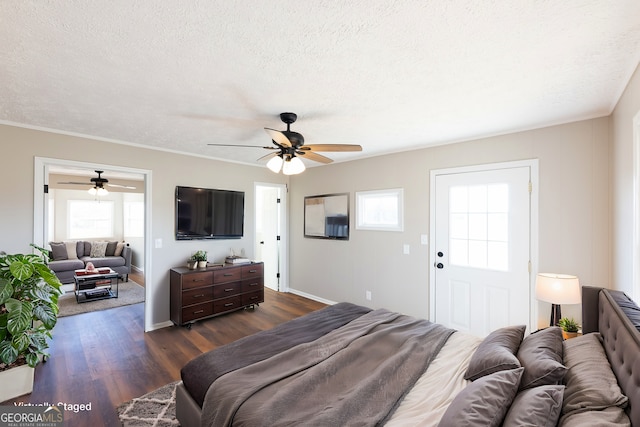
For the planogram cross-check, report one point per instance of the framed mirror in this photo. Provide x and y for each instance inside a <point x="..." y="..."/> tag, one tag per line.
<point x="327" y="216"/>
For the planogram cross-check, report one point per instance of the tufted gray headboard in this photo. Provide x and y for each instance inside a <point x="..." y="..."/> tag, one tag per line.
<point x="609" y="312"/>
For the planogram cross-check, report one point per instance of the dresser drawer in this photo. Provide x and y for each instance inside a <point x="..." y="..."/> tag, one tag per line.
<point x="253" y="270"/>
<point x="227" y="304"/>
<point x="252" y="284"/>
<point x="195" y="280"/>
<point x="226" y="290"/>
<point x="198" y="295"/>
<point x="253" y="297"/>
<point x="227" y="275"/>
<point x="197" y="311"/>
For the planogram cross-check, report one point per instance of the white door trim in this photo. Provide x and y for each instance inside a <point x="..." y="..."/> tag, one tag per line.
<point x="533" y="241"/>
<point x="636" y="209"/>
<point x="41" y="177"/>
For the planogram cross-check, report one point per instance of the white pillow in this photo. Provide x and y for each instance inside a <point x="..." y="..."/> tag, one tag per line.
<point x="119" y="248"/>
<point x="98" y="249"/>
<point x="72" y="249"/>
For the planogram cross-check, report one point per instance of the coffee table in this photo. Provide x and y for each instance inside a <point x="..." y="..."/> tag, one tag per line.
<point x="94" y="286"/>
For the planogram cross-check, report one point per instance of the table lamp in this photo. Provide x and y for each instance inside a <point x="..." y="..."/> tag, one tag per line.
<point x="557" y="289"/>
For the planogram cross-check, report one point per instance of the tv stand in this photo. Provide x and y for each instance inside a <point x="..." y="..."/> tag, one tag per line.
<point x="207" y="292"/>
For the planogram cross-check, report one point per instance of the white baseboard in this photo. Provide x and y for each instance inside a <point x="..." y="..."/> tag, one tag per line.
<point x="313" y="297"/>
<point x="160" y="325"/>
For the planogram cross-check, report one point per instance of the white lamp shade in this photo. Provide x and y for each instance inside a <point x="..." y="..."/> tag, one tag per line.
<point x="93" y="191"/>
<point x="293" y="166"/>
<point x="275" y="164"/>
<point x="558" y="288"/>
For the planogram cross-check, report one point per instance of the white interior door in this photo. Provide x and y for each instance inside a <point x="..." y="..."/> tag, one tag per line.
<point x="269" y="226"/>
<point x="482" y="249"/>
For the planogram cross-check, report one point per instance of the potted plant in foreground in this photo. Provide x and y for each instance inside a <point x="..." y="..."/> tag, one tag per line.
<point x="569" y="327"/>
<point x="29" y="293"/>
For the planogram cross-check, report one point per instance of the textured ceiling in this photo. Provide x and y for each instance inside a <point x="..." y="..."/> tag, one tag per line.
<point x="388" y="75"/>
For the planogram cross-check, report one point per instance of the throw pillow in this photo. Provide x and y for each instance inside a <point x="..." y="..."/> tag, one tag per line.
<point x="119" y="248"/>
<point x="497" y="352"/>
<point x="58" y="251"/>
<point x="538" y="406"/>
<point x="72" y="249"/>
<point x="610" y="417"/>
<point x="590" y="381"/>
<point x="540" y="355"/>
<point x="111" y="249"/>
<point x="98" y="249"/>
<point x="484" y="402"/>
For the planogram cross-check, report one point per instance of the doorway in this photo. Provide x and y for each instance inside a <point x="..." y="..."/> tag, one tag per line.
<point x="270" y="225"/>
<point x="44" y="167"/>
<point x="481" y="229"/>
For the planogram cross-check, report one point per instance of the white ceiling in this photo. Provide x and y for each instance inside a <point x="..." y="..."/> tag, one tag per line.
<point x="388" y="75"/>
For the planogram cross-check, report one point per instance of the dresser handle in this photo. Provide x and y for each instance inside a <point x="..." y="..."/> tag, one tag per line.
<point x="228" y="289"/>
<point x="253" y="271"/>
<point x="198" y="280"/>
<point x="253" y="284"/>
<point x="228" y="274"/>
<point x="198" y="296"/>
<point x="229" y="304"/>
<point x="198" y="312"/>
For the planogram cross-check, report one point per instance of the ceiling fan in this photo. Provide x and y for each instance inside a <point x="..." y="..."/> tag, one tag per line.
<point x="98" y="184"/>
<point x="289" y="147"/>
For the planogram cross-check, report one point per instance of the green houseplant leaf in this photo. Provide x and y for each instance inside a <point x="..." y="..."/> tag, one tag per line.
<point x="29" y="293"/>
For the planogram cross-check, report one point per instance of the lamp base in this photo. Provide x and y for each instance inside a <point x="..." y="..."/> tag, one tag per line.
<point x="555" y="314"/>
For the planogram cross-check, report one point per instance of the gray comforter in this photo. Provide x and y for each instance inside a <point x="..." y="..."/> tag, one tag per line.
<point x="354" y="375"/>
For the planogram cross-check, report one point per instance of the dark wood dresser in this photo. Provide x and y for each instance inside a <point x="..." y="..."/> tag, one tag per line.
<point x="206" y="292"/>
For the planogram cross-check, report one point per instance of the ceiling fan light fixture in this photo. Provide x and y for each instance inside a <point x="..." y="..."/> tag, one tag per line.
<point x="275" y="164"/>
<point x="293" y="166"/>
<point x="100" y="191"/>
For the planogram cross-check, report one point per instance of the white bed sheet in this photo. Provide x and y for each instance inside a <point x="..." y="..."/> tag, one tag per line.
<point x="427" y="401"/>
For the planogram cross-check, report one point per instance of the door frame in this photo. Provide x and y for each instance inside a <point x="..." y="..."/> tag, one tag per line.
<point x="283" y="285"/>
<point x="532" y="164"/>
<point x="41" y="178"/>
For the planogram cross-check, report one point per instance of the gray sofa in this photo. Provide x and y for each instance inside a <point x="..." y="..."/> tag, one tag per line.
<point x="64" y="266"/>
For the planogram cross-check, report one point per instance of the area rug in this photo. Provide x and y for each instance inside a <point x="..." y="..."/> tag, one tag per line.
<point x="157" y="409"/>
<point x="128" y="293"/>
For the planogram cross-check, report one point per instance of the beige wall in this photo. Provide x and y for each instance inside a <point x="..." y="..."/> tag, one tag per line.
<point x="622" y="191"/>
<point x="585" y="200"/>
<point x="20" y="146"/>
<point x="573" y="216"/>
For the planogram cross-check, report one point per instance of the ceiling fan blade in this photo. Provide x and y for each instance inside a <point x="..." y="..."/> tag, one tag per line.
<point x="331" y="147"/>
<point x="240" y="145"/>
<point x="315" y="157"/>
<point x="122" y="186"/>
<point x="267" y="157"/>
<point x="278" y="137"/>
<point x="76" y="183"/>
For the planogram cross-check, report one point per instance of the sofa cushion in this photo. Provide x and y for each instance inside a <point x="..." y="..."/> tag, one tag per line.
<point x="85" y="249"/>
<point x="58" y="251"/>
<point x="111" y="248"/>
<point x="98" y="249"/>
<point x="119" y="248"/>
<point x="111" y="261"/>
<point x="66" y="265"/>
<point x="72" y="249"/>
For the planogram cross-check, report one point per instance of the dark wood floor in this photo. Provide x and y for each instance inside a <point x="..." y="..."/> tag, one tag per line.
<point x="104" y="358"/>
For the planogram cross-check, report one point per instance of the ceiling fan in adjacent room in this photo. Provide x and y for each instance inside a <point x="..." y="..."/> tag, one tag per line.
<point x="289" y="148"/>
<point x="98" y="185"/>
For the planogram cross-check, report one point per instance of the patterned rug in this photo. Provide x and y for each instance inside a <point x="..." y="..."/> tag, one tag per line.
<point x="154" y="409"/>
<point x="128" y="293"/>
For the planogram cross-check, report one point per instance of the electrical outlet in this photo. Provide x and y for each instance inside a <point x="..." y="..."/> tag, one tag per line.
<point x="406" y="249"/>
<point x="368" y="295"/>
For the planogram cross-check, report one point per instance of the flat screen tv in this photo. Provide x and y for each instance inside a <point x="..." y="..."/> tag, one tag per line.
<point x="204" y="213"/>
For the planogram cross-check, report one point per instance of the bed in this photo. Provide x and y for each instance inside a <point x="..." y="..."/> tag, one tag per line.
<point x="351" y="365"/>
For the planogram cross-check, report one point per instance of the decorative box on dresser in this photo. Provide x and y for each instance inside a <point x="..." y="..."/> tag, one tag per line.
<point x="206" y="292"/>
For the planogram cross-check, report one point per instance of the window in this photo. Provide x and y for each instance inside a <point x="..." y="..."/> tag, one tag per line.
<point x="380" y="210"/>
<point x="479" y="226"/>
<point x="90" y="219"/>
<point x="133" y="219"/>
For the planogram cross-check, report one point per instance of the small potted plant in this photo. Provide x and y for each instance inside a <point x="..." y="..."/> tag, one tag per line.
<point x="192" y="263"/>
<point x="201" y="257"/>
<point x="569" y="327"/>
